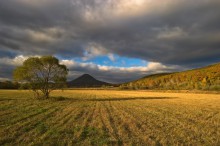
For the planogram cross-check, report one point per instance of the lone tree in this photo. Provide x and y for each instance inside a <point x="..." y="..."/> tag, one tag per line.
<point x="42" y="75"/>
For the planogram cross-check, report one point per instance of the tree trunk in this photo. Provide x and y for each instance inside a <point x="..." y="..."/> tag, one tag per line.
<point x="47" y="95"/>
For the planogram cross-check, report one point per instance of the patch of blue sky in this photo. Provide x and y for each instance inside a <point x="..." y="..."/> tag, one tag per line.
<point x="117" y="61"/>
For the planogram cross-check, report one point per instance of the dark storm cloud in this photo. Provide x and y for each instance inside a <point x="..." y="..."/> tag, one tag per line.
<point x="171" y="32"/>
<point x="6" y="71"/>
<point x="188" y="34"/>
<point x="38" y="28"/>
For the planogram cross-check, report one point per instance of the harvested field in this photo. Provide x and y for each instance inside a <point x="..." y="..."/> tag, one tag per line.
<point x="105" y="117"/>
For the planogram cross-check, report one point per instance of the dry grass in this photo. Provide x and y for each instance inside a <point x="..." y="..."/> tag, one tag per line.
<point x="90" y="117"/>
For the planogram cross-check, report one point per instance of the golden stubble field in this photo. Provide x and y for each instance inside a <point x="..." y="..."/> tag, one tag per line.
<point x="105" y="117"/>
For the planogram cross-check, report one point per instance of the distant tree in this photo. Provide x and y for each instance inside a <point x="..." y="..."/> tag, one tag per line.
<point x="42" y="75"/>
<point x="204" y="83"/>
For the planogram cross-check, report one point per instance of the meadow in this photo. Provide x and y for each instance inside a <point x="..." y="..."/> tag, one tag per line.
<point x="107" y="117"/>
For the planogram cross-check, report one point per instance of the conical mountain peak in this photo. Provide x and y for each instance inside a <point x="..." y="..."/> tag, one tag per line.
<point x="86" y="80"/>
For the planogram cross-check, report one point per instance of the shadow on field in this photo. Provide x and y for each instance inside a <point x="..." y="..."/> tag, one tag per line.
<point x="131" y="98"/>
<point x="6" y="99"/>
<point x="110" y="99"/>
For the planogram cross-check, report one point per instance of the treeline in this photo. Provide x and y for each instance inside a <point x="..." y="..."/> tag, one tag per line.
<point x="9" y="85"/>
<point x="16" y="85"/>
<point x="207" y="78"/>
<point x="13" y="85"/>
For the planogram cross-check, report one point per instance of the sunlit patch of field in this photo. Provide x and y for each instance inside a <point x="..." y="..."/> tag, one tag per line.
<point x="99" y="117"/>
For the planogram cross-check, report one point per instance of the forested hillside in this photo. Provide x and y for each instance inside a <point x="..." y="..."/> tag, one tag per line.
<point x="207" y="78"/>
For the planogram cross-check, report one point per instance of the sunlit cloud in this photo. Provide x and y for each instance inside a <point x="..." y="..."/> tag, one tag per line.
<point x="93" y="50"/>
<point x="5" y="79"/>
<point x="17" y="61"/>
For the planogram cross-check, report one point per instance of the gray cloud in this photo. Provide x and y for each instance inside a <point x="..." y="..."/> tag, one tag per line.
<point x="171" y="32"/>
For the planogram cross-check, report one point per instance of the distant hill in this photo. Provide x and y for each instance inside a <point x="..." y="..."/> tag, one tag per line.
<point x="87" y="80"/>
<point x="206" y="78"/>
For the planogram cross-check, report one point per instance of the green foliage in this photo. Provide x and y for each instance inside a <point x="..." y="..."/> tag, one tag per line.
<point x="41" y="75"/>
<point x="207" y="78"/>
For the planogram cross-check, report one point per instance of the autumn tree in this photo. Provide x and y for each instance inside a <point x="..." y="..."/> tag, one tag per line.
<point x="42" y="74"/>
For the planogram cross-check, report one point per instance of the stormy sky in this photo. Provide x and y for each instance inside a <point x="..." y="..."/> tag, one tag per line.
<point x="113" y="40"/>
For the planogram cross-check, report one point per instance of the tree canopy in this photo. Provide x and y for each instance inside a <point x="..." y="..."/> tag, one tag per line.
<point x="42" y="74"/>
